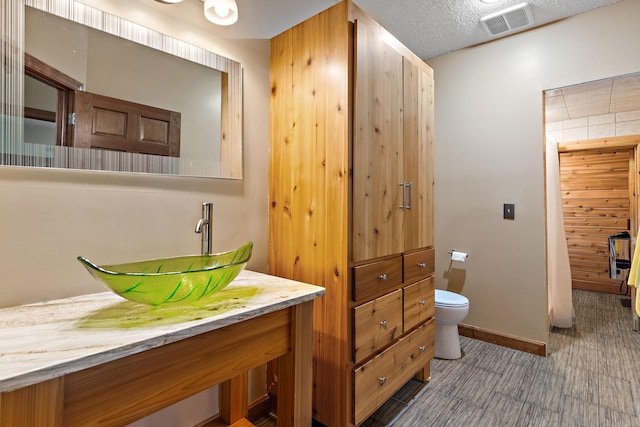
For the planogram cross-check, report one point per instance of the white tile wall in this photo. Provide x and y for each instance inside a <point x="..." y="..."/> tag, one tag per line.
<point x="595" y="127"/>
<point x="602" y="119"/>
<point x="600" y="109"/>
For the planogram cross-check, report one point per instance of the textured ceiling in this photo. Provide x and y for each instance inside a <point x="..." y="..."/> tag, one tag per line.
<point x="428" y="27"/>
<point x="434" y="27"/>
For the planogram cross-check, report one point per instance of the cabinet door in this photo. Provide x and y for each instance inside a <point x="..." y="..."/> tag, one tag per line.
<point x="418" y="155"/>
<point x="377" y="146"/>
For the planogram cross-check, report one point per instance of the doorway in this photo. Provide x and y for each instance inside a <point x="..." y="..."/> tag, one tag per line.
<point x="598" y="200"/>
<point x="597" y="128"/>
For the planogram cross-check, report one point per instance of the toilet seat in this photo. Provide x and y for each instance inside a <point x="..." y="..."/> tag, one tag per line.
<point x="450" y="299"/>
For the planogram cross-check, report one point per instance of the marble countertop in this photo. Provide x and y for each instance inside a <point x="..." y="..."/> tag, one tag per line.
<point x="42" y="341"/>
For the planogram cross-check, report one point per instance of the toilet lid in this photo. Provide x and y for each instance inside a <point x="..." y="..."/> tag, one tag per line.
<point x="450" y="299"/>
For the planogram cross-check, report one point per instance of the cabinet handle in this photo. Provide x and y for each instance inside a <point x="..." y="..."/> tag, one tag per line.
<point x="384" y="324"/>
<point x="382" y="277"/>
<point x="404" y="195"/>
<point x="422" y="264"/>
<point x="382" y="380"/>
<point x="422" y="348"/>
<point x="422" y="302"/>
<point x="410" y="184"/>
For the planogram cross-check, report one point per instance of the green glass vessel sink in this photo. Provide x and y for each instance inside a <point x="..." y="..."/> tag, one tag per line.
<point x="186" y="279"/>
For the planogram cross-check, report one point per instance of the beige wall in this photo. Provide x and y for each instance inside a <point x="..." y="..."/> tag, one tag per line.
<point x="49" y="217"/>
<point x="489" y="151"/>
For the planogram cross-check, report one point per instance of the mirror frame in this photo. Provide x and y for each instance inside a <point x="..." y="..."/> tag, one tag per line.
<point x="231" y="147"/>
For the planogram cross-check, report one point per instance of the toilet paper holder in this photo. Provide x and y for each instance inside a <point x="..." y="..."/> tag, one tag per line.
<point x="458" y="256"/>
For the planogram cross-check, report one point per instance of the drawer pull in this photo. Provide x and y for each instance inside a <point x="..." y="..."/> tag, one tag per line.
<point x="422" y="302"/>
<point x="422" y="264"/>
<point x="422" y="348"/>
<point x="382" y="380"/>
<point x="382" y="277"/>
<point x="384" y="324"/>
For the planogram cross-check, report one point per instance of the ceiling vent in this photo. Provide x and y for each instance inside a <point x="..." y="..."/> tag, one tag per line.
<point x="508" y="20"/>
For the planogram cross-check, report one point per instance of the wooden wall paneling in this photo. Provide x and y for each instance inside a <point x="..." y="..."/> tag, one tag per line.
<point x="629" y="141"/>
<point x="308" y="237"/>
<point x="377" y="147"/>
<point x="596" y="190"/>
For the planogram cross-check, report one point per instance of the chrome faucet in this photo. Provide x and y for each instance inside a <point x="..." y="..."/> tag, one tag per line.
<point x="204" y="227"/>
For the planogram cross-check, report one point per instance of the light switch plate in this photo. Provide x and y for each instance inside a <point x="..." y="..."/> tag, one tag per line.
<point x="509" y="211"/>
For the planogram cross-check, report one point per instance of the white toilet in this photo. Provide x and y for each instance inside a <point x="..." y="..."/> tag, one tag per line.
<point x="451" y="309"/>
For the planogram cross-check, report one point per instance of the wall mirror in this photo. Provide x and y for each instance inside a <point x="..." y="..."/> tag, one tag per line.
<point x="103" y="93"/>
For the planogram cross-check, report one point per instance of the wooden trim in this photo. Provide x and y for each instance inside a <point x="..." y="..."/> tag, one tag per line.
<point x="597" y="287"/>
<point x="590" y="144"/>
<point x="44" y="72"/>
<point x="66" y="87"/>
<point x="36" y="114"/>
<point x="260" y="407"/>
<point x="516" y="343"/>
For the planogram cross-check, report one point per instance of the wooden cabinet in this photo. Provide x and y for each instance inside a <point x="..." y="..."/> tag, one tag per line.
<point x="418" y="113"/>
<point x="377" y="324"/>
<point x="351" y="203"/>
<point x="377" y="278"/>
<point x="378" y="180"/>
<point x="419" y="303"/>
<point x="378" y="379"/>
<point x="392" y="149"/>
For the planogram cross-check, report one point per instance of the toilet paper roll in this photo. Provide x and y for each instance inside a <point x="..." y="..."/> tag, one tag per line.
<point x="459" y="256"/>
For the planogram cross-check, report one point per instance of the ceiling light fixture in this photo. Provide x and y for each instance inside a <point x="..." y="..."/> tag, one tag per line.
<point x="221" y="12"/>
<point x="490" y="1"/>
<point x="169" y="1"/>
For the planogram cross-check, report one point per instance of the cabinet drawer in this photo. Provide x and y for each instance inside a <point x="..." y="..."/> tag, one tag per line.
<point x="376" y="324"/>
<point x="377" y="380"/>
<point x="418" y="265"/>
<point x="371" y="280"/>
<point x="419" y="302"/>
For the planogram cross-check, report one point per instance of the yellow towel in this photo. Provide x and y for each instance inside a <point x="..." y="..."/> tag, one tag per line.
<point x="634" y="277"/>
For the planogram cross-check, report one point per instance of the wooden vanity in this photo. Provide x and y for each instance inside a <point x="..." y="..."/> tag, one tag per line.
<point x="100" y="360"/>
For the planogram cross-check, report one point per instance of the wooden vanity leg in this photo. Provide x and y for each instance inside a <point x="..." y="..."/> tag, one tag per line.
<point x="295" y="377"/>
<point x="234" y="398"/>
<point x="424" y="374"/>
<point x="37" y="405"/>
